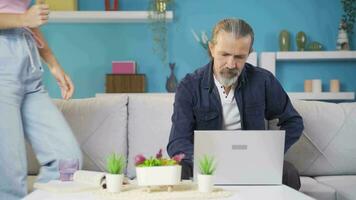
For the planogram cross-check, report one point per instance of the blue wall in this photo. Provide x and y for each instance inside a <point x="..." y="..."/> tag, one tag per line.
<point x="86" y="50"/>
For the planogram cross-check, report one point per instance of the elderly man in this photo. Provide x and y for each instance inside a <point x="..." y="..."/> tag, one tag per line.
<point x="230" y="94"/>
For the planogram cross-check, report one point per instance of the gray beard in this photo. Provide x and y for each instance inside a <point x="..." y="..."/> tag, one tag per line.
<point x="227" y="82"/>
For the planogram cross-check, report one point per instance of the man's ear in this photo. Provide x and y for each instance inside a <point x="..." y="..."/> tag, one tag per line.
<point x="211" y="48"/>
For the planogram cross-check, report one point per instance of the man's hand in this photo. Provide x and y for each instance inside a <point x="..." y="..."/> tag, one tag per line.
<point x="36" y="16"/>
<point x="64" y="82"/>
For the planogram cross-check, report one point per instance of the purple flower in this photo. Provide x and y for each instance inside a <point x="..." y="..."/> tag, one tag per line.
<point x="159" y="154"/>
<point x="178" y="157"/>
<point x="139" y="159"/>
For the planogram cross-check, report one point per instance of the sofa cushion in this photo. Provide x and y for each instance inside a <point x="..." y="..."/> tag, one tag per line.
<point x="344" y="185"/>
<point x="148" y="126"/>
<point x="99" y="125"/>
<point x="317" y="190"/>
<point x="327" y="140"/>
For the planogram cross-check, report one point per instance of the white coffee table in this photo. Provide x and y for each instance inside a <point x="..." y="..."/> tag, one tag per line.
<point x="280" y="192"/>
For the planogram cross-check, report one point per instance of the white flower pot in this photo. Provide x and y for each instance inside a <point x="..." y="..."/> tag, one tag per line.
<point x="114" y="182"/>
<point x="205" y="183"/>
<point x="161" y="175"/>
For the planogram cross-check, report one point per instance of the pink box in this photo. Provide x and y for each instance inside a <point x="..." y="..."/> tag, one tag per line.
<point x="123" y="67"/>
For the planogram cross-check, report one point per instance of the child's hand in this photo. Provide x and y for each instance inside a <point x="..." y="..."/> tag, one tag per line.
<point x="36" y="16"/>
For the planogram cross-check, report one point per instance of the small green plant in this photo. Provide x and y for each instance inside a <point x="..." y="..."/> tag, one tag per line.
<point x="349" y="8"/>
<point x="141" y="161"/>
<point x="207" y="165"/>
<point x="115" y="164"/>
<point x="159" y="26"/>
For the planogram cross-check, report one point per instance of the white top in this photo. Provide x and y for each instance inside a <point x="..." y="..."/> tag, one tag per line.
<point x="14" y="6"/>
<point x="231" y="113"/>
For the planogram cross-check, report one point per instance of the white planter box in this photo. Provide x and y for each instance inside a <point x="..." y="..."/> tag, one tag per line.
<point x="161" y="175"/>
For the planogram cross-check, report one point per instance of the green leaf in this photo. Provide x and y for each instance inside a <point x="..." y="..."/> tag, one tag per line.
<point x="115" y="164"/>
<point x="207" y="165"/>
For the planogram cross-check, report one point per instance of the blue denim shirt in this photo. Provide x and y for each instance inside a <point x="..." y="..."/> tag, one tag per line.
<point x="258" y="94"/>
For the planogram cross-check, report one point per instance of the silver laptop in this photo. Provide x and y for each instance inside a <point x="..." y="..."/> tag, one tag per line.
<point x="242" y="157"/>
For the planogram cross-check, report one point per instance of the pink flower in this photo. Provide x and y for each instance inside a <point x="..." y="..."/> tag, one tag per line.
<point x="139" y="159"/>
<point x="159" y="154"/>
<point x="178" y="157"/>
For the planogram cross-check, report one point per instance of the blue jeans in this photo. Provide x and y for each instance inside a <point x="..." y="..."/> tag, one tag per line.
<point x="28" y="113"/>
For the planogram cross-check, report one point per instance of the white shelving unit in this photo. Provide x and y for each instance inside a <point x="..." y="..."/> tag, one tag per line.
<point x="268" y="60"/>
<point x="322" y="96"/>
<point x="252" y="58"/>
<point x="316" y="55"/>
<point x="102" y="16"/>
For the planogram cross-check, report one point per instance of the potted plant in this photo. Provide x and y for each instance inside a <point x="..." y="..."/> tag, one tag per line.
<point x="348" y="17"/>
<point x="157" y="16"/>
<point x="115" y="168"/>
<point x="205" y="177"/>
<point x="158" y="171"/>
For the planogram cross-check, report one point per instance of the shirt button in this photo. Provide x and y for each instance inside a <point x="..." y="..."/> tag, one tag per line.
<point x="225" y="96"/>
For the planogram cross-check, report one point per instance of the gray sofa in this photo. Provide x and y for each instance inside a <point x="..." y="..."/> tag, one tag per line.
<point x="130" y="124"/>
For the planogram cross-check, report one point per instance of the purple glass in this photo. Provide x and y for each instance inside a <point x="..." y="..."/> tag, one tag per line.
<point x="67" y="169"/>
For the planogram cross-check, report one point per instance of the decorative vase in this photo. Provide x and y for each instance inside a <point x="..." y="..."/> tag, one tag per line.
<point x="171" y="84"/>
<point x="308" y="86"/>
<point x="316" y="86"/>
<point x="301" y="40"/>
<point x="284" y="40"/>
<point x="342" y="42"/>
<point x="205" y="183"/>
<point x="334" y="85"/>
<point x="314" y="46"/>
<point x="114" y="182"/>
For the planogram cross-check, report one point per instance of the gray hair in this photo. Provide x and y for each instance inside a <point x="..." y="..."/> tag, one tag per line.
<point x="238" y="27"/>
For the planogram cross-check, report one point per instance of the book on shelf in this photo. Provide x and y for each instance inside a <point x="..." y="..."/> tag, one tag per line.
<point x="124" y="67"/>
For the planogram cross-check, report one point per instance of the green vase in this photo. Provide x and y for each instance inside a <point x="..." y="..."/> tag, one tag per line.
<point x="284" y="40"/>
<point x="301" y="40"/>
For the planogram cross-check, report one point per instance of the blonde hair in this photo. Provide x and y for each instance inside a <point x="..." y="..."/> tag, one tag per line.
<point x="238" y="27"/>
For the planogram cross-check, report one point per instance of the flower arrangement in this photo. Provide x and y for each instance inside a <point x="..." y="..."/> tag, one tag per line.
<point x="158" y="160"/>
<point x="207" y="165"/>
<point x="202" y="39"/>
<point x="115" y="164"/>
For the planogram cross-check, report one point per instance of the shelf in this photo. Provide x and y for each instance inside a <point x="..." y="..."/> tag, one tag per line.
<point x="102" y="16"/>
<point x="268" y="60"/>
<point x="322" y="96"/>
<point x="316" y="55"/>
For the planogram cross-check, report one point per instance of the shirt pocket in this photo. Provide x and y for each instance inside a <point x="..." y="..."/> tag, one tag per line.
<point x="255" y="109"/>
<point x="254" y="117"/>
<point x="206" y="119"/>
<point x="205" y="115"/>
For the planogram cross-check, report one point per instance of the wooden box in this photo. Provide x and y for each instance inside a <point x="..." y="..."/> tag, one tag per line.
<point x="62" y="5"/>
<point x="125" y="83"/>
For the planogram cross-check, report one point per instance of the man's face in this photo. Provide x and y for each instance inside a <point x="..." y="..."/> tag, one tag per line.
<point x="230" y="54"/>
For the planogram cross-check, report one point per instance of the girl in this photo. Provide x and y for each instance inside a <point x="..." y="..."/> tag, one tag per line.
<point x="26" y="110"/>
